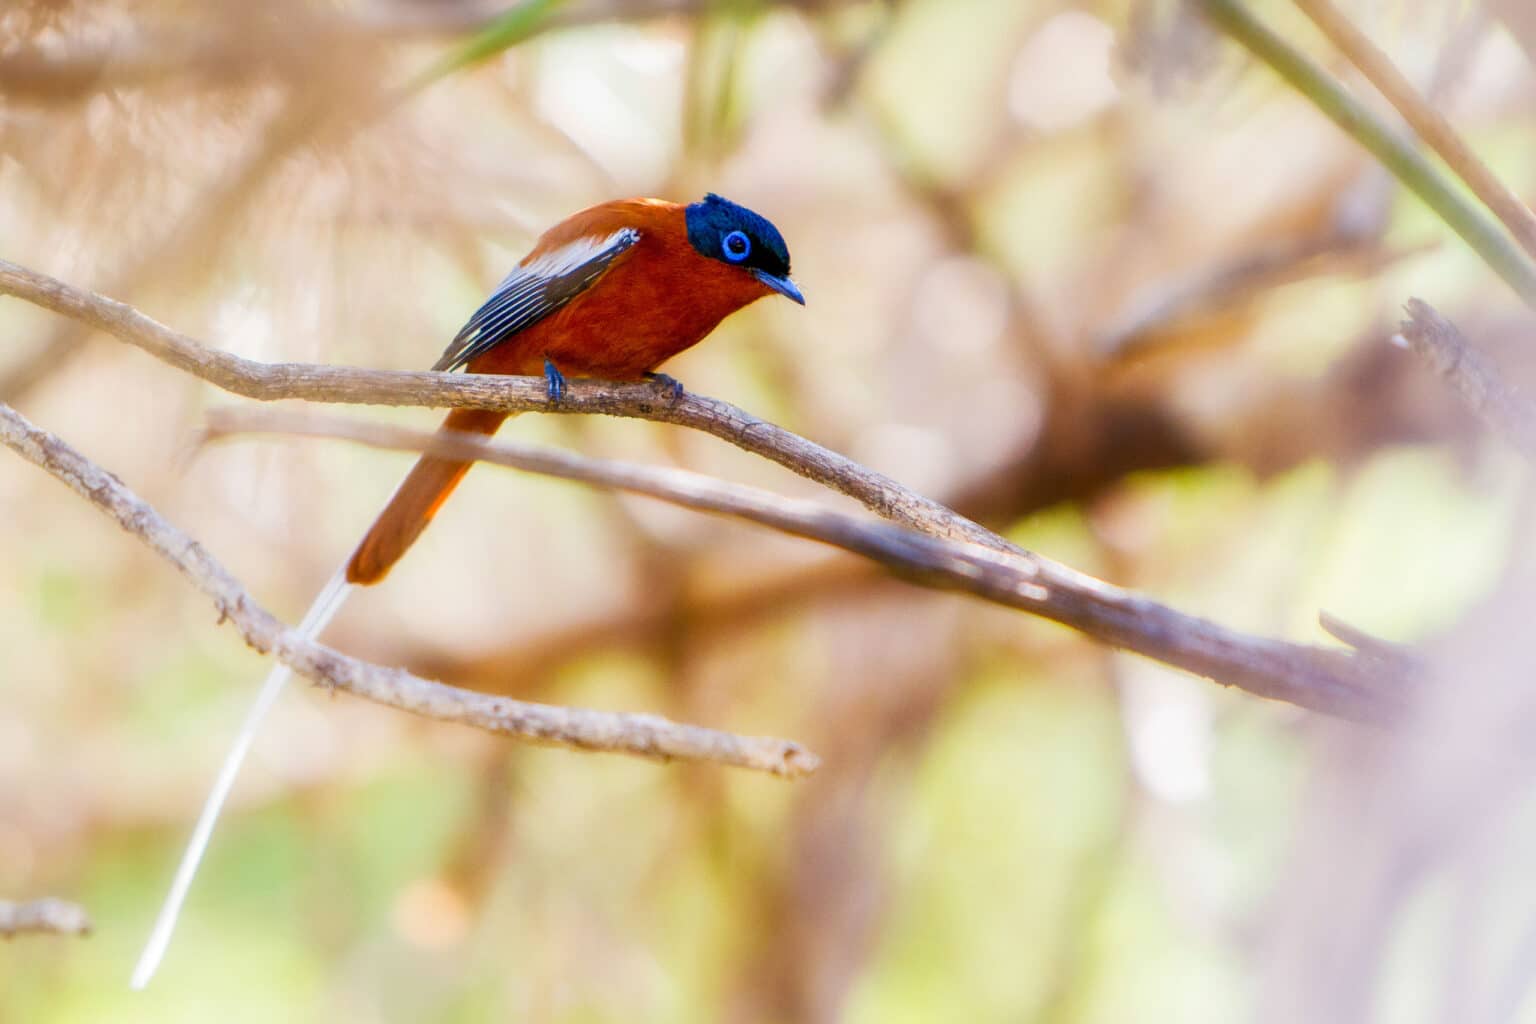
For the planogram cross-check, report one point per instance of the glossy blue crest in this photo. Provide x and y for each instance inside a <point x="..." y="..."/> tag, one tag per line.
<point x="714" y="221"/>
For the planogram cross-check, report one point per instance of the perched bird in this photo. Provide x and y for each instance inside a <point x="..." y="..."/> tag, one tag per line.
<point x="610" y="292"/>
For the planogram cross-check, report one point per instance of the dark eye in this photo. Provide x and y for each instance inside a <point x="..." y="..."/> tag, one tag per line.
<point x="736" y="246"/>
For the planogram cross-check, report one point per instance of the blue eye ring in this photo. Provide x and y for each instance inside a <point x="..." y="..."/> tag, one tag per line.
<point x="736" y="246"/>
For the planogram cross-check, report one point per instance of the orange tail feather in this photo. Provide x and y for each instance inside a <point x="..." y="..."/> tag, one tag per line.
<point x="416" y="502"/>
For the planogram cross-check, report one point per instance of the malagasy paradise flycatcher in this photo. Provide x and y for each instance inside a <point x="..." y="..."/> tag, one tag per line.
<point x="611" y="292"/>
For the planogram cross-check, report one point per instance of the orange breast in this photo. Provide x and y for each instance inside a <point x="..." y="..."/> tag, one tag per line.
<point x="660" y="298"/>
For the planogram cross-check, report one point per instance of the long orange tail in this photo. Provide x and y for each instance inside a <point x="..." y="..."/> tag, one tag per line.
<point x="416" y="502"/>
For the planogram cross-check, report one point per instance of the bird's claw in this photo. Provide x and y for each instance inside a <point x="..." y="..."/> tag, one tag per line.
<point x="554" y="382"/>
<point x="672" y="384"/>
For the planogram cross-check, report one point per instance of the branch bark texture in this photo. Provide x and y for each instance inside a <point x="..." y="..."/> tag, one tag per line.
<point x="641" y="735"/>
<point x="1330" y="680"/>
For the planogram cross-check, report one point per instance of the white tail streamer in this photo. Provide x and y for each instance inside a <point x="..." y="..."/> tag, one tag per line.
<point x="320" y="613"/>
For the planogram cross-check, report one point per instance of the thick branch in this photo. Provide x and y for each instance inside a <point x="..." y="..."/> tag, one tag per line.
<point x="1313" y="677"/>
<point x="57" y="917"/>
<point x="274" y="381"/>
<point x="1471" y="374"/>
<point x="638" y="734"/>
<point x="1328" y="680"/>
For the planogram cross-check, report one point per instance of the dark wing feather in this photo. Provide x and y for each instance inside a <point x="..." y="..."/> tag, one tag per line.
<point x="529" y="294"/>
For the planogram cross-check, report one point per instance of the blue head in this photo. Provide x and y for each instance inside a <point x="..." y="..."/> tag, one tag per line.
<point x="737" y="237"/>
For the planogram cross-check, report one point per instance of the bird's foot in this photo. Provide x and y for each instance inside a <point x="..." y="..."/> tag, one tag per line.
<point x="672" y="384"/>
<point x="554" y="382"/>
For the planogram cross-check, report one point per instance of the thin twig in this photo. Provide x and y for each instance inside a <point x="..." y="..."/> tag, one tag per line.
<point x="1401" y="659"/>
<point x="1171" y="301"/>
<point x="1396" y="153"/>
<point x="1312" y="677"/>
<point x="641" y="735"/>
<point x="49" y="916"/>
<point x="1471" y="374"/>
<point x="1425" y="120"/>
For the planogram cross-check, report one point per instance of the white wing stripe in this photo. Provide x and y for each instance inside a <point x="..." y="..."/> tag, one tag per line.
<point x="527" y="280"/>
<point x="535" y="290"/>
<point x="573" y="254"/>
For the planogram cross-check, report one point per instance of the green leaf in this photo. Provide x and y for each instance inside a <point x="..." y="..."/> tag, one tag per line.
<point x="521" y="22"/>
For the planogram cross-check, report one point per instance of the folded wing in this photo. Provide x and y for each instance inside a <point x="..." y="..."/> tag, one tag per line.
<point x="536" y="288"/>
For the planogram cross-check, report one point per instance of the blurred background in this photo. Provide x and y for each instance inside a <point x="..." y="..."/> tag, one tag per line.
<point x="1079" y="268"/>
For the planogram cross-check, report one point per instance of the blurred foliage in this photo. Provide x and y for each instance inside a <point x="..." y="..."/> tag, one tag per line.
<point x="1075" y="267"/>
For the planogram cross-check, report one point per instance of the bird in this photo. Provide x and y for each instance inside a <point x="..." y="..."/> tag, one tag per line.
<point x="611" y="292"/>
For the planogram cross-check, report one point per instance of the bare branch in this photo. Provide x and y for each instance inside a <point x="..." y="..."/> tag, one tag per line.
<point x="1401" y="659"/>
<point x="1471" y="373"/>
<point x="1313" y="677"/>
<point x="50" y="916"/>
<point x="1159" y="310"/>
<point x="1328" y="680"/>
<point x="274" y="381"/>
<point x="641" y="735"/>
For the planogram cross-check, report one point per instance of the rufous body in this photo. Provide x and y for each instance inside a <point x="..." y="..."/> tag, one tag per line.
<point x="611" y="292"/>
<point x="656" y="298"/>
